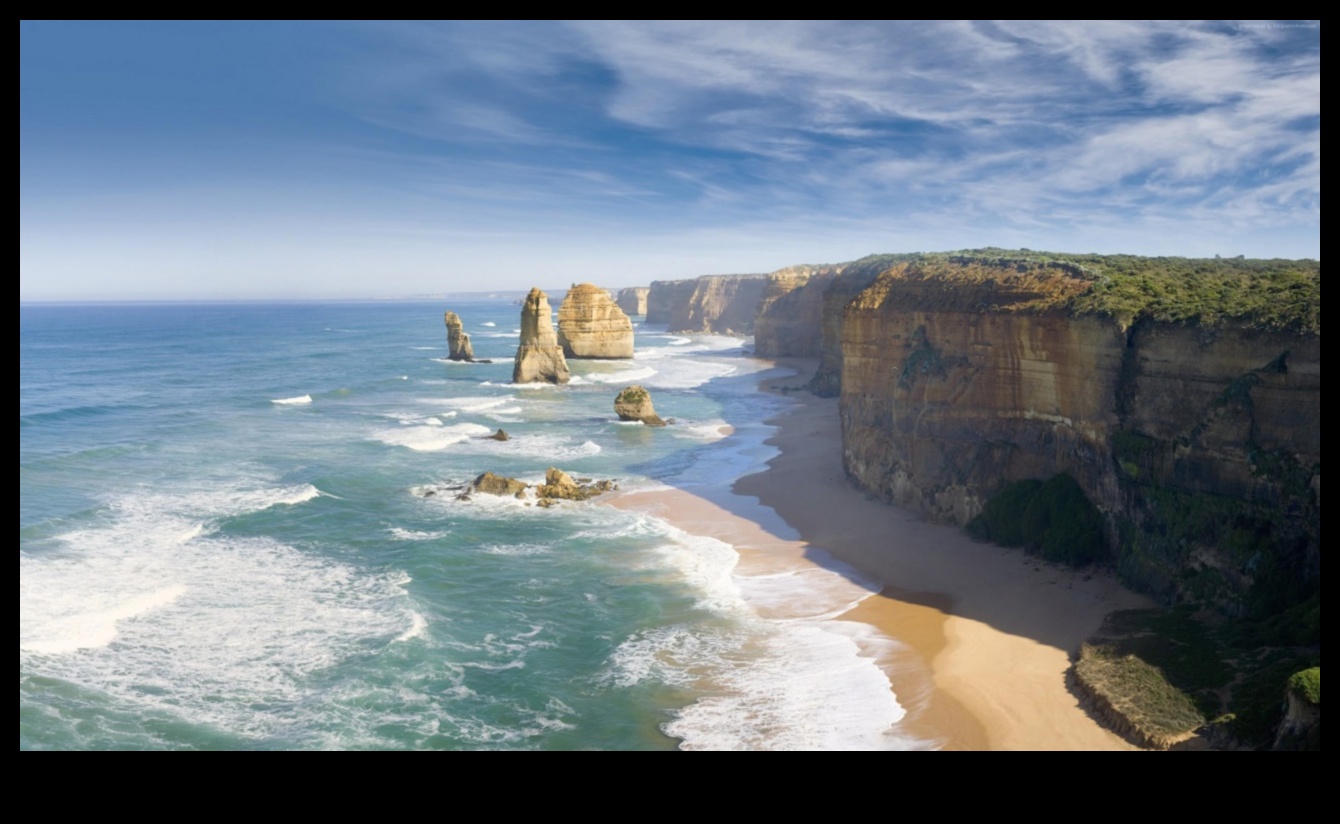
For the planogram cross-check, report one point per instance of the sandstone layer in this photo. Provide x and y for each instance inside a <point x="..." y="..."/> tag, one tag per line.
<point x="591" y="325"/>
<point x="711" y="304"/>
<point x="633" y="300"/>
<point x="539" y="358"/>
<point x="458" y="340"/>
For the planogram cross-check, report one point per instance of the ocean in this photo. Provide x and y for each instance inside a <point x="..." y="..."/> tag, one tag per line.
<point x="239" y="530"/>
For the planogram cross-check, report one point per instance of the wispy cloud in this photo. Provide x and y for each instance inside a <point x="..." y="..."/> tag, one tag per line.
<point x="922" y="133"/>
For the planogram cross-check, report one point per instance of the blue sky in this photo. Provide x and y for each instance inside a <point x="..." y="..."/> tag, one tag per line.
<point x="277" y="160"/>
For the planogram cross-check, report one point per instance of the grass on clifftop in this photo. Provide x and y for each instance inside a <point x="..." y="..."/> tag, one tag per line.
<point x="1267" y="294"/>
<point x="1139" y="657"/>
<point x="1136" y="696"/>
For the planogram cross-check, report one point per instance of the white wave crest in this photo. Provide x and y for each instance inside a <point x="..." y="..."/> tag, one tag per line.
<point x="431" y="438"/>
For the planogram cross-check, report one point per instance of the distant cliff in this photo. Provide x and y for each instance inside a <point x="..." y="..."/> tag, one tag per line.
<point x="800" y="312"/>
<point x="715" y="304"/>
<point x="790" y="312"/>
<point x="633" y="300"/>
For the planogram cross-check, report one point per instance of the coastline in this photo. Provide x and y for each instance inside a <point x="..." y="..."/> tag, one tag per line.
<point x="985" y="633"/>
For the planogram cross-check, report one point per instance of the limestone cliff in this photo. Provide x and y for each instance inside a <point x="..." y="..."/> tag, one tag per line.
<point x="590" y="325"/>
<point x="790" y="312"/>
<point x="539" y="358"/>
<point x="633" y="300"/>
<point x="1197" y="435"/>
<point x="458" y="340"/>
<point x="714" y="304"/>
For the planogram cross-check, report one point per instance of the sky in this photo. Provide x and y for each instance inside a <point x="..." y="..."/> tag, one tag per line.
<point x="189" y="160"/>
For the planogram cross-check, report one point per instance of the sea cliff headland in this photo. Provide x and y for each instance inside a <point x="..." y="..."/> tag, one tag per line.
<point x="1157" y="417"/>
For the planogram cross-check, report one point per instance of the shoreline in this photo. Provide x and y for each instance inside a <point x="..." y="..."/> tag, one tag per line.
<point x="985" y="633"/>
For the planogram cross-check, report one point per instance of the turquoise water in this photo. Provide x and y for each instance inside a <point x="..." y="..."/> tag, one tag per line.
<point x="238" y="530"/>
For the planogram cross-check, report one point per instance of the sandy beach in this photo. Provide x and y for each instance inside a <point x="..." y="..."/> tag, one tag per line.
<point x="986" y="633"/>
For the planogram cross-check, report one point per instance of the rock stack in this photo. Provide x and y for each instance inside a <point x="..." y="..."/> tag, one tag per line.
<point x="634" y="404"/>
<point x="591" y="325"/>
<point x="539" y="359"/>
<point x="458" y="340"/>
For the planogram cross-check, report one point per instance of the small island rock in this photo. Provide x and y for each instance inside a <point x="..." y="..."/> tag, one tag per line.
<point x="499" y="485"/>
<point x="634" y="404"/>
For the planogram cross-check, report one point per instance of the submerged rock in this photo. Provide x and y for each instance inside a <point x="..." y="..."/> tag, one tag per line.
<point x="590" y="325"/>
<point x="539" y="359"/>
<point x="498" y="436"/>
<point x="499" y="485"/>
<point x="634" y="404"/>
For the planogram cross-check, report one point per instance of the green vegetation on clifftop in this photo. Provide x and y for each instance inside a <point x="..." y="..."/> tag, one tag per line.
<point x="1268" y="294"/>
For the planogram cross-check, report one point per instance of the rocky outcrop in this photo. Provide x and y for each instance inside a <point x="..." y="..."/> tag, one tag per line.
<point x="591" y="325"/>
<point x="1199" y="442"/>
<point x="634" y="404"/>
<point x="539" y="358"/>
<point x="491" y="484"/>
<point x="633" y="300"/>
<point x="712" y="304"/>
<point x="458" y="340"/>
<point x="500" y="435"/>
<point x="560" y="486"/>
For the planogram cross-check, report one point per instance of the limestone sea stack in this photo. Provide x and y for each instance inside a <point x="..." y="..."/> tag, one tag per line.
<point x="591" y="325"/>
<point x="634" y="404"/>
<point x="633" y="300"/>
<point x="539" y="358"/>
<point x="458" y="340"/>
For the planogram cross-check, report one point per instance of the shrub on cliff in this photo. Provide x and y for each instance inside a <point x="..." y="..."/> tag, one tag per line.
<point x="1054" y="519"/>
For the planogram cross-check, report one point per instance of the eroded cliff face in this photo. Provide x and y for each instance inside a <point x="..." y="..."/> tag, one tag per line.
<point x="790" y="312"/>
<point x="942" y="402"/>
<point x="590" y="325"/>
<point x="849" y="280"/>
<point x="1200" y="444"/>
<point x="539" y="357"/>
<point x="713" y="304"/>
<point x="633" y="300"/>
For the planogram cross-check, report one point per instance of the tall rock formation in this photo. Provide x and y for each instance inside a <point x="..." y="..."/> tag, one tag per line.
<point x="590" y="325"/>
<point x="633" y="300"/>
<point x="1191" y="422"/>
<point x="714" y="304"/>
<point x="539" y="358"/>
<point x="458" y="340"/>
